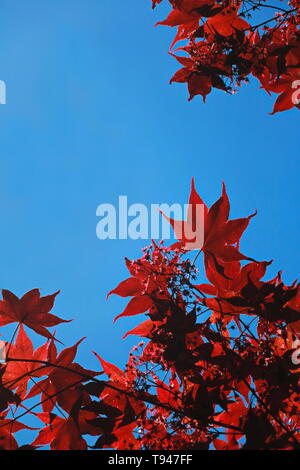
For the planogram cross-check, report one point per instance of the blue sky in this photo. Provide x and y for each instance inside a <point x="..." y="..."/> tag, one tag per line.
<point x="90" y="116"/>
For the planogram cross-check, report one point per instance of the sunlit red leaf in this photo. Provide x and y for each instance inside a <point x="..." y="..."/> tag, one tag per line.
<point x="31" y="309"/>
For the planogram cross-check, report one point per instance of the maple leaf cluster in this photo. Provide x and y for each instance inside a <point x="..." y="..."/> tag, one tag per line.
<point x="227" y="41"/>
<point x="217" y="365"/>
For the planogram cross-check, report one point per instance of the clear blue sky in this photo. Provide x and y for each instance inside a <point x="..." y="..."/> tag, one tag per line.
<point x="90" y="116"/>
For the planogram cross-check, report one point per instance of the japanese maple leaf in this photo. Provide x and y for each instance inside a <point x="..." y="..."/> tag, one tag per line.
<point x="288" y="88"/>
<point x="177" y="17"/>
<point x="234" y="415"/>
<point x="225" y="23"/>
<point x="187" y="23"/>
<point x="198" y="83"/>
<point x="17" y="372"/>
<point x="62" y="374"/>
<point x="32" y="310"/>
<point x="121" y="381"/>
<point x="186" y="16"/>
<point x="145" y="279"/>
<point x="221" y="236"/>
<point x="116" y="375"/>
<point x="169" y="394"/>
<point x="145" y="329"/>
<point x="185" y="231"/>
<point x="134" y="287"/>
<point x="236" y="277"/>
<point x="271" y="300"/>
<point x="7" y="429"/>
<point x="61" y="434"/>
<point x="120" y="438"/>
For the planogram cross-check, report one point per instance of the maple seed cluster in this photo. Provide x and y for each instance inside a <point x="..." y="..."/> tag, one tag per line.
<point x="217" y="366"/>
<point x="226" y="42"/>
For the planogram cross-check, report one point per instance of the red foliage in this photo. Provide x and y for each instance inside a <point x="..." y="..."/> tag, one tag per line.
<point x="218" y="369"/>
<point x="227" y="42"/>
<point x="32" y="310"/>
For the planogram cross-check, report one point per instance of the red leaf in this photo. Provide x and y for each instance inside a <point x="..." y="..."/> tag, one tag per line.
<point x="199" y="85"/>
<point x="136" y="306"/>
<point x="177" y="17"/>
<point x="221" y="235"/>
<point x="143" y="330"/>
<point x="18" y="373"/>
<point x="32" y="310"/>
<point x="113" y="372"/>
<point x="128" y="288"/>
<point x="225" y="23"/>
<point x="62" y="434"/>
